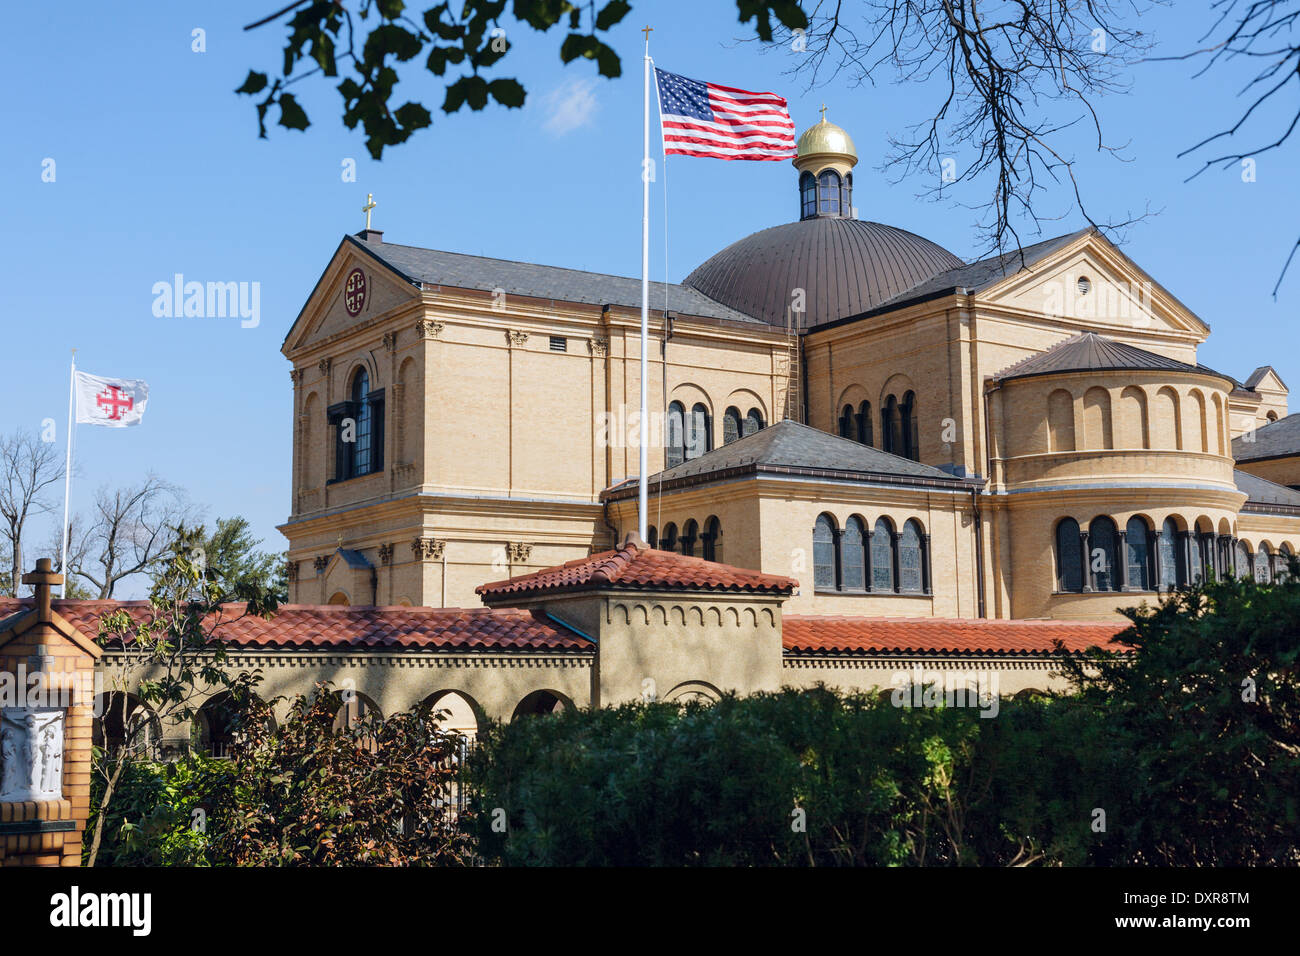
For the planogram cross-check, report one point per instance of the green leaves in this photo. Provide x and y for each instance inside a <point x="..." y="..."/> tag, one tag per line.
<point x="470" y="35"/>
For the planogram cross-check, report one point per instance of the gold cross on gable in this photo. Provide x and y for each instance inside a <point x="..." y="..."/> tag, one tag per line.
<point x="370" y="204"/>
<point x="823" y="112"/>
<point x="647" y="30"/>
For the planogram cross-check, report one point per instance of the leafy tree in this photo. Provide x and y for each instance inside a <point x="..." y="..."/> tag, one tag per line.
<point x="172" y="657"/>
<point x="304" y="793"/>
<point x="1203" y="722"/>
<point x="463" y="40"/>
<point x="230" y="559"/>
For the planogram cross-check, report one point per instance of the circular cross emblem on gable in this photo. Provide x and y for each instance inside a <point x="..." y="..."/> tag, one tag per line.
<point x="354" y="292"/>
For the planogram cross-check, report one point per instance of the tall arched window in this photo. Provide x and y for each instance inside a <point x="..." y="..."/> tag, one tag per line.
<point x="713" y="539"/>
<point x="846" y="422"/>
<point x="907" y="427"/>
<point x="753" y="422"/>
<point x="807" y="196"/>
<point x="1069" y="556"/>
<point x="1282" y="568"/>
<point x="1137" y="544"/>
<point x="824" y="570"/>
<point x="652" y="537"/>
<point x="361" y="399"/>
<point x="911" y="560"/>
<point x="889" y="425"/>
<point x="1263" y="565"/>
<point x="1243" y="562"/>
<point x="730" y="425"/>
<point x="675" y="440"/>
<point x="1103" y="557"/>
<point x="828" y="193"/>
<point x="864" y="424"/>
<point x="853" y="555"/>
<point x="690" y="534"/>
<point x="359" y="429"/>
<point x="882" y="555"/>
<point x="1173" y="558"/>
<point x="669" y="540"/>
<point x="699" y="437"/>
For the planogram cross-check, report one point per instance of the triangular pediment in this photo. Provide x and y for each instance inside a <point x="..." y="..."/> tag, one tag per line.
<point x="1091" y="285"/>
<point x="355" y="288"/>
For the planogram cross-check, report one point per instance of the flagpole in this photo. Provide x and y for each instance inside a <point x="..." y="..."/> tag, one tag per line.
<point x="643" y="497"/>
<point x="67" y="476"/>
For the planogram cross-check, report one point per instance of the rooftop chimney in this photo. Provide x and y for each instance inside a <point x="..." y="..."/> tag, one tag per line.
<point x="371" y="235"/>
<point x="41" y="580"/>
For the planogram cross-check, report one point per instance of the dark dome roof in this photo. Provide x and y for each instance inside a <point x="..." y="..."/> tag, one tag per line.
<point x="845" y="267"/>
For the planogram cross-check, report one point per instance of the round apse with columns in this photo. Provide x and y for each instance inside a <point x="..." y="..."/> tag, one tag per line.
<point x="1116" y="469"/>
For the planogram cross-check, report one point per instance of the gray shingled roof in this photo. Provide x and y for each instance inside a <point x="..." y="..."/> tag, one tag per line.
<point x="788" y="447"/>
<point x="462" y="271"/>
<point x="1261" y="491"/>
<point x="1090" y="352"/>
<point x="1275" y="440"/>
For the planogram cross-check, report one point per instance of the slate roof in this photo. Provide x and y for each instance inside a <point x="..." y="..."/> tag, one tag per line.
<point x="804" y="633"/>
<point x="1090" y="352"/>
<point x="844" y="266"/>
<point x="790" y="448"/>
<point x="1259" y="375"/>
<point x="637" y="566"/>
<point x="1278" y="439"/>
<point x="330" y="627"/>
<point x="435" y="267"/>
<point x="1265" y="493"/>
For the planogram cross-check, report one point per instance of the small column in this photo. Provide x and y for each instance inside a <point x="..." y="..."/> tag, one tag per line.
<point x="1122" y="560"/>
<point x="1087" y="561"/>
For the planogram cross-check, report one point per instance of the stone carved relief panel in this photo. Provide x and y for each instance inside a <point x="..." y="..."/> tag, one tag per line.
<point x="31" y="753"/>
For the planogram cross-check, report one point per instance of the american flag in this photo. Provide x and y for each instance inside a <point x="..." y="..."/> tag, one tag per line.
<point x="722" y="122"/>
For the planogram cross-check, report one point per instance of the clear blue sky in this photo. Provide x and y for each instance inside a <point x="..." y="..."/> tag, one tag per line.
<point x="159" y="171"/>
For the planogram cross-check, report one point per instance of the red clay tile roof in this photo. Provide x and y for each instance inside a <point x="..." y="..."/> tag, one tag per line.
<point x="636" y="565"/>
<point x="339" y="627"/>
<point x="925" y="635"/>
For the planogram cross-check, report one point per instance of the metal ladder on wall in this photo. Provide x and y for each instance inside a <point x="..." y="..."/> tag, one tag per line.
<point x="787" y="367"/>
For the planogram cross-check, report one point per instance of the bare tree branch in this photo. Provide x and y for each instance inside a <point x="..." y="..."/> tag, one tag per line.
<point x="30" y="466"/>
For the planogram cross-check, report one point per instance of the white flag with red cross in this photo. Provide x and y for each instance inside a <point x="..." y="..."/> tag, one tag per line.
<point x="112" y="402"/>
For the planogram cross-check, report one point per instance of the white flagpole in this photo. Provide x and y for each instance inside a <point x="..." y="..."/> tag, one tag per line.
<point x="643" y="498"/>
<point x="67" y="474"/>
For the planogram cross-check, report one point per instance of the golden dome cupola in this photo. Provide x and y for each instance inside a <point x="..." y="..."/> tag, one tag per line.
<point x="825" y="157"/>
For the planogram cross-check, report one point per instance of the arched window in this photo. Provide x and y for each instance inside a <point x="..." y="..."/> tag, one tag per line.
<point x="1103" y="557"/>
<point x="1243" y="562"/>
<point x="864" y="424"/>
<point x="889" y="425"/>
<point x="217" y="720"/>
<point x="753" y="423"/>
<point x="1173" y="558"/>
<point x="824" y="569"/>
<point x="828" y="193"/>
<point x="675" y="440"/>
<point x="690" y="534"/>
<point x="1069" y="556"/>
<point x="699" y="437"/>
<point x="1282" y="568"/>
<point x="1263" y="565"/>
<point x="730" y="425"/>
<point x="911" y="560"/>
<point x="807" y="196"/>
<point x="1271" y="417"/>
<point x="713" y="539"/>
<point x="907" y="427"/>
<point x="652" y="537"/>
<point x="1060" y="420"/>
<point x="1137" y="544"/>
<point x="846" y="422"/>
<point x="846" y="196"/>
<point x="359" y="429"/>
<point x="882" y="555"/>
<point x="669" y="541"/>
<point x="853" y="555"/>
